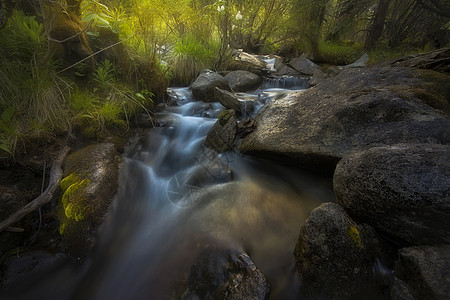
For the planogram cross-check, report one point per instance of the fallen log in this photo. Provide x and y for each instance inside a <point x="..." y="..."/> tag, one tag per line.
<point x="56" y="174"/>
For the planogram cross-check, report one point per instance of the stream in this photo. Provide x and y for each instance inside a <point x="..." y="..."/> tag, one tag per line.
<point x="178" y="198"/>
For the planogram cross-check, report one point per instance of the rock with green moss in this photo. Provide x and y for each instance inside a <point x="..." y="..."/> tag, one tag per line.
<point x="89" y="185"/>
<point x="335" y="255"/>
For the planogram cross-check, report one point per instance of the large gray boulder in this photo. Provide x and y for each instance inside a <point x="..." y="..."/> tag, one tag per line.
<point x="304" y="65"/>
<point x="89" y="185"/>
<point x="243" y="81"/>
<point x="334" y="255"/>
<point x="248" y="62"/>
<point x="402" y="191"/>
<point x="422" y="273"/>
<point x="356" y="110"/>
<point x="226" y="274"/>
<point x="203" y="87"/>
<point x="221" y="136"/>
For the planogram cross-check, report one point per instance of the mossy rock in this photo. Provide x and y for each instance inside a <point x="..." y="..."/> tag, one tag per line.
<point x="89" y="185"/>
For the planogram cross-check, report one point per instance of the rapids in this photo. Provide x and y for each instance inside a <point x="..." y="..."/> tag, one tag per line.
<point x="178" y="198"/>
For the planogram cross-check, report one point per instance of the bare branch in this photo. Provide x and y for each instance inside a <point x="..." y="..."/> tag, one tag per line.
<point x="55" y="179"/>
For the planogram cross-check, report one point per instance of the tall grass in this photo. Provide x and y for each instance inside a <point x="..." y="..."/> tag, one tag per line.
<point x="189" y="56"/>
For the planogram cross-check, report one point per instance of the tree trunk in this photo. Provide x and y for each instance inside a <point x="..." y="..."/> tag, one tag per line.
<point x="378" y="24"/>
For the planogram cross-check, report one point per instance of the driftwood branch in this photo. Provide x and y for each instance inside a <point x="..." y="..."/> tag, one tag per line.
<point x="55" y="179"/>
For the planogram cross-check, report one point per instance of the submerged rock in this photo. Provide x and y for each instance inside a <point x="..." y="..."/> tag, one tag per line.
<point x="203" y="87"/>
<point x="402" y="191"/>
<point x="356" y="110"/>
<point x="226" y="274"/>
<point x="221" y="136"/>
<point x="334" y="255"/>
<point x="422" y="273"/>
<point x="89" y="185"/>
<point x="243" y="81"/>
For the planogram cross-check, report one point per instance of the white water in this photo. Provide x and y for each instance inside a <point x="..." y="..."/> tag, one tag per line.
<point x="178" y="198"/>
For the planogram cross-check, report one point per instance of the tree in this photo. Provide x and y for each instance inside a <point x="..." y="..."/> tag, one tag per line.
<point x="377" y="27"/>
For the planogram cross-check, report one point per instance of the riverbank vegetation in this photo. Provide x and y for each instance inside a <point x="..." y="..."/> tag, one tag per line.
<point x="90" y="66"/>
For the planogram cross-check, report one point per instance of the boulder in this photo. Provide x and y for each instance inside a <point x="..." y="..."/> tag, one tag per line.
<point x="334" y="255"/>
<point x="231" y="101"/>
<point x="283" y="70"/>
<point x="359" y="63"/>
<point x="243" y="81"/>
<point x="317" y="77"/>
<point x="422" y="273"/>
<point x="221" y="136"/>
<point x="226" y="274"/>
<point x="355" y="110"/>
<point x="248" y="62"/>
<point x="304" y="65"/>
<point x="402" y="191"/>
<point x="203" y="87"/>
<point x="88" y="187"/>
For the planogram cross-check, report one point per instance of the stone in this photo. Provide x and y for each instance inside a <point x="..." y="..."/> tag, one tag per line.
<point x="353" y="111"/>
<point x="284" y="70"/>
<point x="359" y="63"/>
<point x="304" y="65"/>
<point x="203" y="87"/>
<point x="248" y="62"/>
<point x="221" y="136"/>
<point x="438" y="60"/>
<point x="317" y="77"/>
<point x="402" y="191"/>
<point x="334" y="255"/>
<point x="89" y="185"/>
<point x="422" y="273"/>
<point x="243" y="81"/>
<point x="226" y="274"/>
<point x="231" y="101"/>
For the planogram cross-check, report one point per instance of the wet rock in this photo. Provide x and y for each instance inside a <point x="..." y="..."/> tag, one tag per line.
<point x="359" y="63"/>
<point x="89" y="185"/>
<point x="334" y="255"/>
<point x="226" y="274"/>
<point x="283" y="70"/>
<point x="29" y="264"/>
<point x="402" y="191"/>
<point x="423" y="273"/>
<point x="243" y="81"/>
<point x="304" y="65"/>
<point x="221" y="136"/>
<point x="356" y="110"/>
<point x="203" y="87"/>
<point x="231" y="101"/>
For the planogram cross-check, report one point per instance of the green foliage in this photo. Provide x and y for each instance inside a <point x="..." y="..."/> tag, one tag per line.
<point x="339" y="54"/>
<point x="104" y="74"/>
<point x="22" y="37"/>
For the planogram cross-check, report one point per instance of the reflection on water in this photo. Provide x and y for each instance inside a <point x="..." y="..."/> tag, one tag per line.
<point x="178" y="198"/>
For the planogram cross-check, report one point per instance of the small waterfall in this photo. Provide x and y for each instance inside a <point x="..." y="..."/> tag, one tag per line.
<point x="285" y="82"/>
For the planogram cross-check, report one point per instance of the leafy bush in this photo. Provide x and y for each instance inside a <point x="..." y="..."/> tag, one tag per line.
<point x="339" y="54"/>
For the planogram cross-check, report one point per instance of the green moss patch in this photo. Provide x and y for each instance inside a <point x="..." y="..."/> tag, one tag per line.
<point x="353" y="232"/>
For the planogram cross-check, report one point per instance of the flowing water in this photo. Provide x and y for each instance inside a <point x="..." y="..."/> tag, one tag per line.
<point x="178" y="198"/>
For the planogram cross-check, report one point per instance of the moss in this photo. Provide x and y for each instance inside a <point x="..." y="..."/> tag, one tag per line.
<point x="224" y="117"/>
<point x="73" y="200"/>
<point x="353" y="232"/>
